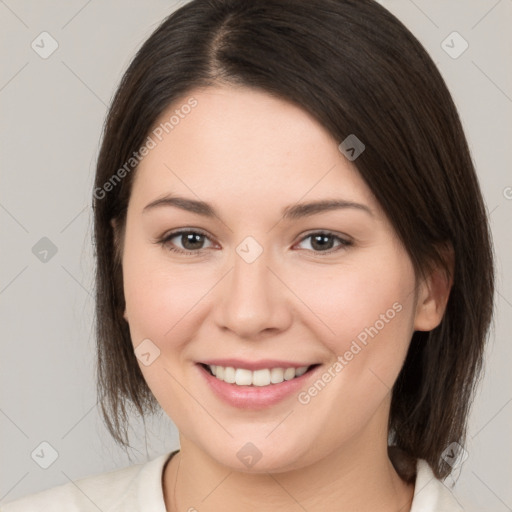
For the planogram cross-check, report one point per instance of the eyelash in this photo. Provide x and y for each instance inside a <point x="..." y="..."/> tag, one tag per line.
<point x="164" y="242"/>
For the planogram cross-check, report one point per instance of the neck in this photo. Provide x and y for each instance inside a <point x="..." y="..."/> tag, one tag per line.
<point x="356" y="477"/>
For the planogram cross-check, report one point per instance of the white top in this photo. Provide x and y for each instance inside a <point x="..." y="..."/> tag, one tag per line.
<point x="138" y="488"/>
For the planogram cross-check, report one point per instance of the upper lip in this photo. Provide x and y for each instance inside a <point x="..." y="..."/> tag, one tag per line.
<point x="255" y="365"/>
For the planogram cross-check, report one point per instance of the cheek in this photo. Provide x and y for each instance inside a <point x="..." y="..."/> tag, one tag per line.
<point x="158" y="293"/>
<point x="357" y="301"/>
<point x="159" y="302"/>
<point x="162" y="305"/>
<point x="364" y="316"/>
<point x="339" y="302"/>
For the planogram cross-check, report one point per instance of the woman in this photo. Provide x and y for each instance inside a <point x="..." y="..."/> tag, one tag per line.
<point x="293" y="261"/>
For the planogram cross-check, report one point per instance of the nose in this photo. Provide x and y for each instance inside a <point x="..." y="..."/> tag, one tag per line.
<point x="253" y="301"/>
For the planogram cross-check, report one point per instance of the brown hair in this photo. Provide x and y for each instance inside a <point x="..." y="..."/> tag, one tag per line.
<point x="357" y="70"/>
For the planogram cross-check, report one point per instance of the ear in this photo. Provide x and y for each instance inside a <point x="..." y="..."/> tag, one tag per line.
<point x="117" y="248"/>
<point x="434" y="293"/>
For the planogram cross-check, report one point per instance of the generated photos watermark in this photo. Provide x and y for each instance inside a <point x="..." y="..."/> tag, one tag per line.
<point x="357" y="345"/>
<point x="151" y="142"/>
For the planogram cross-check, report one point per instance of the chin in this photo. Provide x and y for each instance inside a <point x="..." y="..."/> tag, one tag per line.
<point x="260" y="457"/>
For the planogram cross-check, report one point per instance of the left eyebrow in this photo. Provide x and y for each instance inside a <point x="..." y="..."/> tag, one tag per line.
<point x="291" y="212"/>
<point x="300" y="210"/>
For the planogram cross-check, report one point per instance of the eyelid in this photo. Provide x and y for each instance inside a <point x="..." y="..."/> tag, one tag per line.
<point x="330" y="232"/>
<point x="179" y="231"/>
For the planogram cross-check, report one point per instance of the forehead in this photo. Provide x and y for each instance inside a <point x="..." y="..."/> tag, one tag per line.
<point x="238" y="143"/>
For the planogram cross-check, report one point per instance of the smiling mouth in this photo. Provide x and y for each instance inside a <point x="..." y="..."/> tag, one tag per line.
<point x="258" y="378"/>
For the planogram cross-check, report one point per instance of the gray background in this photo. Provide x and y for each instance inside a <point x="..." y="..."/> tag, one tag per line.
<point x="52" y="113"/>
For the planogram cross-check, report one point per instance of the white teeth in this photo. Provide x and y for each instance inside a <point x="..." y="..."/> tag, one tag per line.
<point x="261" y="378"/>
<point x="276" y="375"/>
<point x="265" y="377"/>
<point x="243" y="377"/>
<point x="301" y="371"/>
<point x="289" y="373"/>
<point x="229" y="375"/>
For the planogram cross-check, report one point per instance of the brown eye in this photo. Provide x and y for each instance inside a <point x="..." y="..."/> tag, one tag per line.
<point x="324" y="242"/>
<point x="192" y="242"/>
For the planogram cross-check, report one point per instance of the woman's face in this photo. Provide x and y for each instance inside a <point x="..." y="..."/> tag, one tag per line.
<point x="267" y="284"/>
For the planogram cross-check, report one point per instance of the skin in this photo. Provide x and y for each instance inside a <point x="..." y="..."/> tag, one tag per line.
<point x="250" y="155"/>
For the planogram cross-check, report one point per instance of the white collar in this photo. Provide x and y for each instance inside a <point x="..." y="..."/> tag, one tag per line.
<point x="430" y="494"/>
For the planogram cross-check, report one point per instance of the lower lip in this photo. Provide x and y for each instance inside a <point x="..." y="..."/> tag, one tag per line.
<point x="255" y="397"/>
